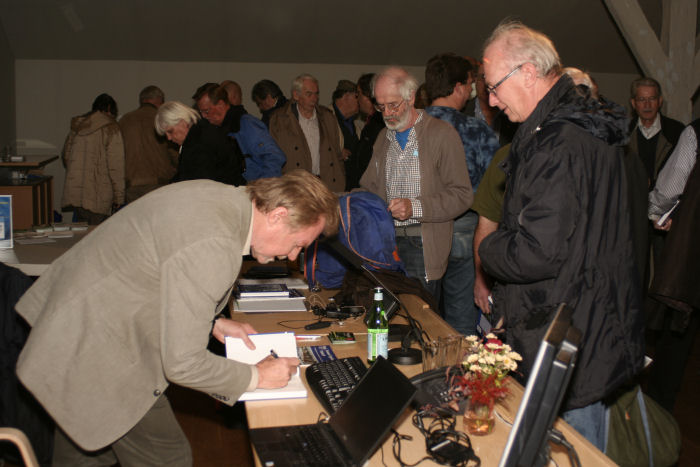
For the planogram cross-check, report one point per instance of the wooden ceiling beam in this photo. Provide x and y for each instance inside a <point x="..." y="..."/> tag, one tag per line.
<point x="671" y="60"/>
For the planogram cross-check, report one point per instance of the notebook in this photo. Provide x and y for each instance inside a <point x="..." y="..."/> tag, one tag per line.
<point x="281" y="343"/>
<point x="352" y="433"/>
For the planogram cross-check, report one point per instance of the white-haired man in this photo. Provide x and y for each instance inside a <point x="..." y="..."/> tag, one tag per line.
<point x="308" y="134"/>
<point x="418" y="167"/>
<point x="565" y="234"/>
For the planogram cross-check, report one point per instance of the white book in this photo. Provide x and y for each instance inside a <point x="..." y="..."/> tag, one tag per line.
<point x="295" y="302"/>
<point x="667" y="214"/>
<point x="290" y="282"/>
<point x="281" y="343"/>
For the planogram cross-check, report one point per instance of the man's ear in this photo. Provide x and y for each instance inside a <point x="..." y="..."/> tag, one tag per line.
<point x="661" y="102"/>
<point x="277" y="215"/>
<point x="530" y="73"/>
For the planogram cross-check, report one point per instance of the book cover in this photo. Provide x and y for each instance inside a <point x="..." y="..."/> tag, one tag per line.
<point x="310" y="354"/>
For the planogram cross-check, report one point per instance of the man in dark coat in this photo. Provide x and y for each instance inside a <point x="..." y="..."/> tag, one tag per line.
<point x="674" y="327"/>
<point x="565" y="234"/>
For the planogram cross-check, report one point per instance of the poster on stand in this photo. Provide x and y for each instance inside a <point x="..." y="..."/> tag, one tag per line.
<point x="6" y="221"/>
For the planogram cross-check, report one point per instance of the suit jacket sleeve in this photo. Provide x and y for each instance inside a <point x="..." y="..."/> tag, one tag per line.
<point x="452" y="192"/>
<point x="186" y="316"/>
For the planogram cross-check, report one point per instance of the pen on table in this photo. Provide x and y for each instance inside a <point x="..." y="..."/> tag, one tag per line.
<point x="308" y="337"/>
<point x="274" y="354"/>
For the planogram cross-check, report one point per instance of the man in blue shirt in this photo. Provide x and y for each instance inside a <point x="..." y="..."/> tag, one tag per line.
<point x="448" y="82"/>
<point x="264" y="158"/>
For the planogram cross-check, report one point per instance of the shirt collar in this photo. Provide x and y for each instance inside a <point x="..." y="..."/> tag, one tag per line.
<point x="246" y="245"/>
<point x="650" y="132"/>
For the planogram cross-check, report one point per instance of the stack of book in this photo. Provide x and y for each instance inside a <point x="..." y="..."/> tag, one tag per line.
<point x="262" y="297"/>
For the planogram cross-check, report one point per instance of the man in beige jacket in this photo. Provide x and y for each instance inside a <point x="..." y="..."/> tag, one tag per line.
<point x="130" y="309"/>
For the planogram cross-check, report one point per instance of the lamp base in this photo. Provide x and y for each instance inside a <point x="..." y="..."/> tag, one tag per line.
<point x="401" y="356"/>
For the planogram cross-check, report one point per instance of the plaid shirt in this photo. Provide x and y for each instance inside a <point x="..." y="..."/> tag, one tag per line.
<point x="403" y="172"/>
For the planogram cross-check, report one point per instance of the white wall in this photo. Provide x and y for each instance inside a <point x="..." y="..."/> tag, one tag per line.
<point x="7" y="92"/>
<point x="50" y="92"/>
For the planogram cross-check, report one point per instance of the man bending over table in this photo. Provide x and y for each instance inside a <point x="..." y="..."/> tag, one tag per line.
<point x="130" y="308"/>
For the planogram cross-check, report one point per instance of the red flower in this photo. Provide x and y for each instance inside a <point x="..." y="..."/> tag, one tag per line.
<point x="481" y="388"/>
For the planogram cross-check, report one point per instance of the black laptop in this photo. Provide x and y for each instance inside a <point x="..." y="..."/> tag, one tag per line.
<point x="352" y="433"/>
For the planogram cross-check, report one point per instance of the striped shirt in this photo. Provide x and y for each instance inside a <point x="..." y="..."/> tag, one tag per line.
<point x="672" y="178"/>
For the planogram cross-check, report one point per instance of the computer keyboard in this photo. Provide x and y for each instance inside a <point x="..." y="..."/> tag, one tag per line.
<point x="332" y="381"/>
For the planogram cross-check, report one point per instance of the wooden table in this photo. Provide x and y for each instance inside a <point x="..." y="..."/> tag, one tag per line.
<point x="34" y="259"/>
<point x="306" y="411"/>
<point x="30" y="162"/>
<point x="32" y="200"/>
<point x="32" y="195"/>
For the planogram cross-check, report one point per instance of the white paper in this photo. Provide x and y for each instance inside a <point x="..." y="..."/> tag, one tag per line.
<point x="284" y="345"/>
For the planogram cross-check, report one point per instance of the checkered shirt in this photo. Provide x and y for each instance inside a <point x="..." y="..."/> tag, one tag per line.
<point x="403" y="172"/>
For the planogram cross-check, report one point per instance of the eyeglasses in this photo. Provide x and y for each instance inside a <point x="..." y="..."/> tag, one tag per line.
<point x="391" y="106"/>
<point x="492" y="89"/>
<point x="642" y="100"/>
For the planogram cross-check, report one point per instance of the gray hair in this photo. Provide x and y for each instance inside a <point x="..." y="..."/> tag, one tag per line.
<point x="171" y="113"/>
<point x="151" y="92"/>
<point x="581" y="78"/>
<point x="406" y="83"/>
<point x="298" y="82"/>
<point x="644" y="81"/>
<point x="525" y="45"/>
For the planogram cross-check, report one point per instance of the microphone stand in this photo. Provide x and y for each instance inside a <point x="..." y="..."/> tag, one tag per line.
<point x="405" y="355"/>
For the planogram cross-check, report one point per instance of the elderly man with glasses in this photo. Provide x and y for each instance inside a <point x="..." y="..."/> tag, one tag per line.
<point x="418" y="167"/>
<point x="565" y="234"/>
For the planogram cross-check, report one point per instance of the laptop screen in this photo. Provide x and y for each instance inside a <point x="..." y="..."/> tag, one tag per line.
<point x="370" y="411"/>
<point x="391" y="301"/>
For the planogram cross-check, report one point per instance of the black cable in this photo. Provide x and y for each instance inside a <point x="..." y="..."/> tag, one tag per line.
<point x="558" y="437"/>
<point x="396" y="450"/>
<point x="444" y="443"/>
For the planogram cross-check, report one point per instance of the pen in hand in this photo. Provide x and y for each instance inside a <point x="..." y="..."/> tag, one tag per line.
<point x="274" y="354"/>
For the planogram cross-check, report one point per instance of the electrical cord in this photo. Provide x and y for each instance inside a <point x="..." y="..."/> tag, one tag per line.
<point x="558" y="437"/>
<point x="396" y="450"/>
<point x="444" y="443"/>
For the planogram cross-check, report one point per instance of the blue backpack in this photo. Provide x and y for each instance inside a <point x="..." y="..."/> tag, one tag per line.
<point x="367" y="229"/>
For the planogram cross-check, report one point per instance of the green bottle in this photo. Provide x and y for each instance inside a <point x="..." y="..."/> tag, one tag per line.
<point x="377" y="328"/>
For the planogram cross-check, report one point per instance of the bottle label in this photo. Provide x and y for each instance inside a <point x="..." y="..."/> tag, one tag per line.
<point x="377" y="343"/>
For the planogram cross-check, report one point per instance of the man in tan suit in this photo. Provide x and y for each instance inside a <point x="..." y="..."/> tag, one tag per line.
<point x="308" y="134"/>
<point x="130" y="309"/>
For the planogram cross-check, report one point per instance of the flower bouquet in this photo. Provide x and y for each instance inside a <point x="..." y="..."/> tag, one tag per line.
<point x="485" y="366"/>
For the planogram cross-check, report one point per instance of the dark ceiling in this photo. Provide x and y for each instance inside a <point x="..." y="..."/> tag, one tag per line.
<point x="373" y="32"/>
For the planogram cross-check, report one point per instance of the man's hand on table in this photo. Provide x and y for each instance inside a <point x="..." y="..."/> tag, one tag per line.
<point x="227" y="327"/>
<point x="275" y="372"/>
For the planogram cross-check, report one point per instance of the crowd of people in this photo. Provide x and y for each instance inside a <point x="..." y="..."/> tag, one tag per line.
<point x="513" y="183"/>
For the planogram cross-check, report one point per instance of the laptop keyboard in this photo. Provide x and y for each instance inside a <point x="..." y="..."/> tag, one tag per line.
<point x="315" y="450"/>
<point x="332" y="381"/>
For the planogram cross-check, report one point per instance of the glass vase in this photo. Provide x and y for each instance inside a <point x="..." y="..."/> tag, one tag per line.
<point x="478" y="417"/>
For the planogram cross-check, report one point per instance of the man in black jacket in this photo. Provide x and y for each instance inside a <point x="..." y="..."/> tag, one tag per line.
<point x="565" y="234"/>
<point x="653" y="137"/>
<point x="373" y="124"/>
